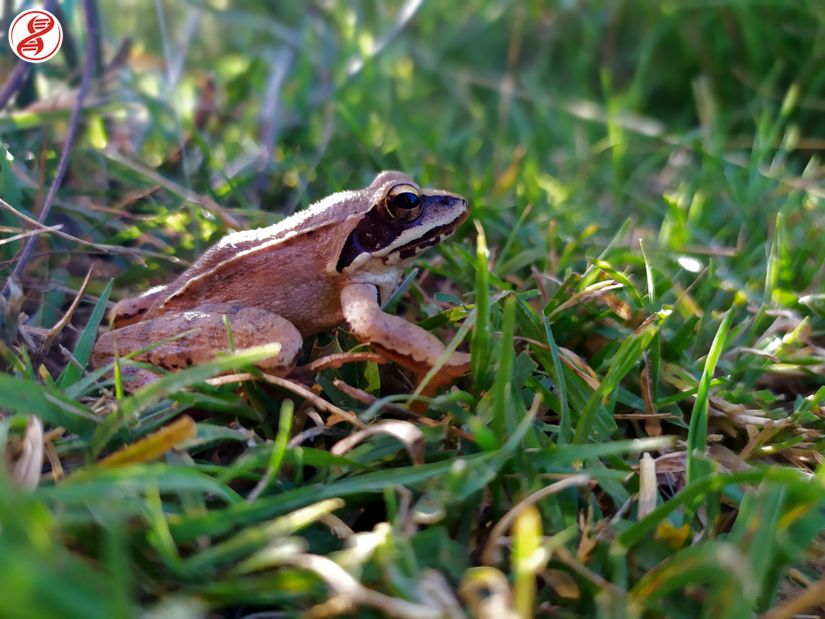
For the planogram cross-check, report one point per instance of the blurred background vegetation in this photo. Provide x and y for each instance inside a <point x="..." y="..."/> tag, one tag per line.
<point x="582" y="132"/>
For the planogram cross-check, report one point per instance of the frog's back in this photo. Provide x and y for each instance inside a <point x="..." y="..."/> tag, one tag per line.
<point x="316" y="217"/>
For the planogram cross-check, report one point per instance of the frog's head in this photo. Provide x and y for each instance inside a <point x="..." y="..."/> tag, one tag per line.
<point x="400" y="221"/>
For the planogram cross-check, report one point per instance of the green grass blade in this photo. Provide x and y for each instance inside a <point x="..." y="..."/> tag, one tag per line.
<point x="86" y="342"/>
<point x="560" y="382"/>
<point x="698" y="432"/>
<point x="626" y="357"/>
<point x="99" y="484"/>
<point x="164" y="386"/>
<point x="21" y="395"/>
<point x="717" y="565"/>
<point x="713" y="483"/>
<point x="502" y="423"/>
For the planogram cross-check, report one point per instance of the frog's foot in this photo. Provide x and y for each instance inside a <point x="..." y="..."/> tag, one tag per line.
<point x="457" y="365"/>
<point x="398" y="340"/>
<point x="192" y="337"/>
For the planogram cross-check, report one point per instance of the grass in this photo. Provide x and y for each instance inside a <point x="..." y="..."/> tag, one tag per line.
<point x="643" y="275"/>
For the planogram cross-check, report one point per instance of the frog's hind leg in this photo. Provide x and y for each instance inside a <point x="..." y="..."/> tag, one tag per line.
<point x="194" y="336"/>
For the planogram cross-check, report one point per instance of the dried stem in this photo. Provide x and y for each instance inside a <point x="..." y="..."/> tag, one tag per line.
<point x="71" y="135"/>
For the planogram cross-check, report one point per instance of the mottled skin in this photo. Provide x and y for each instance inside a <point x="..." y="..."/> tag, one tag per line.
<point x="331" y="263"/>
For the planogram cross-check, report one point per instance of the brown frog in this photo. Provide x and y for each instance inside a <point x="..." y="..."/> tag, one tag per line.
<point x="331" y="263"/>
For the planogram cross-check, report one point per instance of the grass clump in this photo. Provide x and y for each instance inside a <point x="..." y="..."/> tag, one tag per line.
<point x="643" y="275"/>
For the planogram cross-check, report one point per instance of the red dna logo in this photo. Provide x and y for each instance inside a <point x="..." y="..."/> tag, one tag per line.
<point x="33" y="45"/>
<point x="35" y="35"/>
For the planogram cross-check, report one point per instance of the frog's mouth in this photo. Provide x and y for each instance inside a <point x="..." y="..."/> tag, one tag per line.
<point x="434" y="237"/>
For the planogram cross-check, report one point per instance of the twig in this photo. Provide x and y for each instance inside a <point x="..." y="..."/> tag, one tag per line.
<point x="71" y="134"/>
<point x="25" y="235"/>
<point x="811" y="597"/>
<point x="67" y="316"/>
<point x="12" y="85"/>
<point x="172" y="187"/>
<point x="279" y="64"/>
<point x="101" y="247"/>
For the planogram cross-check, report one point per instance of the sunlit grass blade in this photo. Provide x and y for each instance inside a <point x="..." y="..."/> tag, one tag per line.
<point x="698" y="432"/>
<point x="254" y="538"/>
<point x="528" y="560"/>
<point x="480" y="343"/>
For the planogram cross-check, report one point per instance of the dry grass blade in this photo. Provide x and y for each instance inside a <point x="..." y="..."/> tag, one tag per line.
<point x="647" y="486"/>
<point x="24" y="456"/>
<point x="337" y="360"/>
<point x="488" y="554"/>
<point x="813" y="597"/>
<point x="295" y="388"/>
<point x="343" y="584"/>
<point x="409" y="435"/>
<point x="393" y="410"/>
<point x="154" y="445"/>
<point x="435" y="588"/>
<point x="25" y="235"/>
<point x="593" y="291"/>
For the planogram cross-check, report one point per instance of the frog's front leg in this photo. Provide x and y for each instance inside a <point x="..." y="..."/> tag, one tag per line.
<point x="399" y="340"/>
<point x="199" y="334"/>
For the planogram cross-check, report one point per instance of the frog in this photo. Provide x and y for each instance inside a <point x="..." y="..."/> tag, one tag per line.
<point x="333" y="263"/>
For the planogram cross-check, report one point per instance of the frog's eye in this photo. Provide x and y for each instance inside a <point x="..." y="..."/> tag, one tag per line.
<point x="404" y="202"/>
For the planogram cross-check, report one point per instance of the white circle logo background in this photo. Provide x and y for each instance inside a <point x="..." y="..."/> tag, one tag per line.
<point x="35" y="35"/>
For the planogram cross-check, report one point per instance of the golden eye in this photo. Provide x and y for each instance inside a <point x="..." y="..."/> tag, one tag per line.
<point x="404" y="202"/>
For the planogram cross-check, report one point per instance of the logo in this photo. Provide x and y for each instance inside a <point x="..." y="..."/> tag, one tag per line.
<point x="35" y="35"/>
